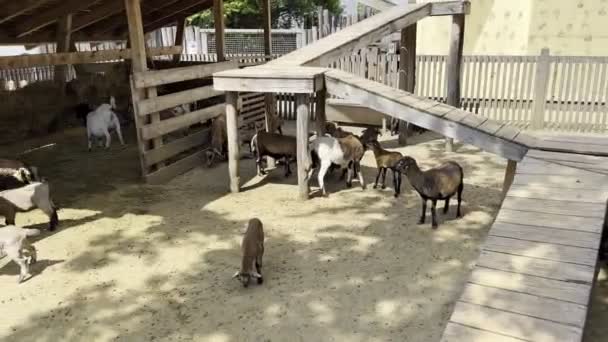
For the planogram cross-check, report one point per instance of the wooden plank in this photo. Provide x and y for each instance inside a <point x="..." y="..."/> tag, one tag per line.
<point x="582" y="168"/>
<point x="442" y="8"/>
<point x="576" y="255"/>
<point x="514" y="325"/>
<point x="302" y="113"/>
<point x="159" y="77"/>
<point x="509" y="176"/>
<point x="266" y="21"/>
<point x="48" y="16"/>
<point x="356" y="36"/>
<point x="555" y="270"/>
<point x="376" y="98"/>
<point x="455" y="332"/>
<point x="232" y="131"/>
<point x="158" y="129"/>
<point x="64" y="28"/>
<point x="179" y="37"/>
<point x="169" y="172"/>
<point x="549" y="206"/>
<point x="567" y="291"/>
<point x="587" y="196"/>
<point x="560" y="156"/>
<point x="560" y="221"/>
<point x="537" y="166"/>
<point x="271" y="72"/>
<point x="557" y="146"/>
<point x="159" y="103"/>
<point x="268" y="85"/>
<point x="537" y="233"/>
<point x="12" y="9"/>
<point x="141" y="143"/>
<point x="26" y="61"/>
<point x="591" y="182"/>
<point x="166" y="151"/>
<point x="525" y="304"/>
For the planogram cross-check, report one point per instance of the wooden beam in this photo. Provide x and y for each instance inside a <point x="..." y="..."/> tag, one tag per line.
<point x="106" y="10"/>
<point x="303" y="116"/>
<point x="320" y="111"/>
<point x="179" y="37"/>
<point x="407" y="71"/>
<point x="11" y="9"/>
<point x="266" y="21"/>
<point x="218" y="21"/>
<point x="152" y="78"/>
<point x="47" y="17"/>
<point x="64" y="26"/>
<point x="173" y="12"/>
<point x="25" y="61"/>
<point x="232" y="132"/>
<point x="454" y="66"/>
<point x="509" y="176"/>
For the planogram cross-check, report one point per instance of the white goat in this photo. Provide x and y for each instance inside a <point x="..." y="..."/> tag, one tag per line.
<point x="339" y="151"/>
<point x="14" y="244"/>
<point x="101" y="121"/>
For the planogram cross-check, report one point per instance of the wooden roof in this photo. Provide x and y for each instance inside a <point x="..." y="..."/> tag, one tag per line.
<point x="33" y="21"/>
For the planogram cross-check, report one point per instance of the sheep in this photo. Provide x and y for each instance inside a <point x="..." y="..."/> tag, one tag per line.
<point x="340" y="151"/>
<point x="219" y="140"/>
<point x="15" y="174"/>
<point x="26" y="198"/>
<point x="252" y="248"/>
<point x="439" y="183"/>
<point x="14" y="244"/>
<point x="386" y="160"/>
<point x="275" y="146"/>
<point x="101" y="121"/>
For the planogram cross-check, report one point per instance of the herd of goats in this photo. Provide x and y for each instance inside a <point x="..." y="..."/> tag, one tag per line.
<point x="23" y="189"/>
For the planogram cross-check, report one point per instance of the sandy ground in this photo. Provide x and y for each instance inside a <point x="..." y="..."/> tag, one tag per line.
<point x="138" y="263"/>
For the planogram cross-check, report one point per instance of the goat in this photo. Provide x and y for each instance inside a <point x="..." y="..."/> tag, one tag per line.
<point x="26" y="198"/>
<point x="14" y="244"/>
<point x="219" y="140"/>
<point x="252" y="248"/>
<point x="101" y="121"/>
<point x="273" y="145"/>
<point x="439" y="183"/>
<point x="386" y="160"/>
<point x="340" y="151"/>
<point x="15" y="174"/>
<point x="394" y="127"/>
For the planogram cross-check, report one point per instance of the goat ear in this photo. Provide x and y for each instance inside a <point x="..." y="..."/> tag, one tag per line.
<point x="235" y="274"/>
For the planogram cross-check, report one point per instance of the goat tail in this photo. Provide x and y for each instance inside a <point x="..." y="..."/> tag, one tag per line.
<point x="31" y="232"/>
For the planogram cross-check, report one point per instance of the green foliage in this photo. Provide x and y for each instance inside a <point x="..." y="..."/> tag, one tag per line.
<point x="248" y="13"/>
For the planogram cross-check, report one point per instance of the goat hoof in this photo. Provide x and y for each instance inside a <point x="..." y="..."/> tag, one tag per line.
<point x="420" y="221"/>
<point x="396" y="195"/>
<point x="434" y="226"/>
<point x="375" y="186"/>
<point x="383" y="187"/>
<point x="260" y="280"/>
<point x="349" y="185"/>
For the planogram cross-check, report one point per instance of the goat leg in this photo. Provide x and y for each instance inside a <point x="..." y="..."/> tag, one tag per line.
<point x="349" y="177"/>
<point x="423" y="216"/>
<point x="447" y="205"/>
<point x="460" y="188"/>
<point x="398" y="186"/>
<point x="383" y="178"/>
<point x="287" y="170"/>
<point x="434" y="213"/>
<point x="377" y="177"/>
<point x="357" y="168"/>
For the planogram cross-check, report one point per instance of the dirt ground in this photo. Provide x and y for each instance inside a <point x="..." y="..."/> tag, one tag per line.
<point x="132" y="262"/>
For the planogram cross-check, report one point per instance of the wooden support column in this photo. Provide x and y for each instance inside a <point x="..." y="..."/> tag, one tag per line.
<point x="509" y="176"/>
<point x="179" y="38"/>
<point x="218" y="20"/>
<point x="453" y="68"/>
<point x="303" y="113"/>
<point x="270" y="122"/>
<point x="232" y="132"/>
<point x="320" y="112"/>
<point x="266" y="20"/>
<point x="407" y="72"/>
<point x="64" y="34"/>
<point x="269" y="99"/>
<point x="138" y="63"/>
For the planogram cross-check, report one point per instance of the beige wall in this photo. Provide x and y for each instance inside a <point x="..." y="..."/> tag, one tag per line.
<point x="524" y="27"/>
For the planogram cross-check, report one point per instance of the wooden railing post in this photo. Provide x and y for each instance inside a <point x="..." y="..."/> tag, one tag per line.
<point x="303" y="115"/>
<point x="509" y="176"/>
<point x="232" y="133"/>
<point x="541" y="83"/>
<point x="218" y="19"/>
<point x="454" y="65"/>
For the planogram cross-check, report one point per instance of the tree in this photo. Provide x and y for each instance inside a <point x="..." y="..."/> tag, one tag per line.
<point x="247" y="13"/>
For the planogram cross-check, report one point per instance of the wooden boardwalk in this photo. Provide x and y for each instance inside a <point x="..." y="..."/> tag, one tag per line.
<point x="535" y="272"/>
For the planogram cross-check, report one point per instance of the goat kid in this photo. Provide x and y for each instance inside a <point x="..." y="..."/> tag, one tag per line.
<point x="252" y="248"/>
<point x="386" y="160"/>
<point x="15" y="174"/>
<point x="14" y="245"/>
<point x="101" y="121"/>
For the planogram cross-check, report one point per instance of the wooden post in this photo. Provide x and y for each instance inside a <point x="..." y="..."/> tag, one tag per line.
<point x="453" y="68"/>
<point x="266" y="20"/>
<point x="64" y="34"/>
<point x="179" y="38"/>
<point x="218" y="20"/>
<point x="320" y="112"/>
<point x="302" y="113"/>
<point x="270" y="121"/>
<point x="540" y="89"/>
<point x="232" y="132"/>
<point x="407" y="71"/>
<point x="509" y="176"/>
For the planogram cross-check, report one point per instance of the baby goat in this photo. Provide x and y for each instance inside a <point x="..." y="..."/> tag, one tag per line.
<point x="386" y="160"/>
<point x="439" y="183"/>
<point x="101" y="121"/>
<point x="252" y="248"/>
<point x="26" y="198"/>
<point x="14" y="244"/>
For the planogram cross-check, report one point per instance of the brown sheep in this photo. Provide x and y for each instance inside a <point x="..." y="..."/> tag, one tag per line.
<point x="252" y="248"/>
<point x="219" y="140"/>
<point x="439" y="183"/>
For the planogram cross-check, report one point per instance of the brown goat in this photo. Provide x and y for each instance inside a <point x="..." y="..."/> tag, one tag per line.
<point x="277" y="146"/>
<point x="252" y="248"/>
<point x="219" y="140"/>
<point x="386" y="160"/>
<point x="439" y="183"/>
